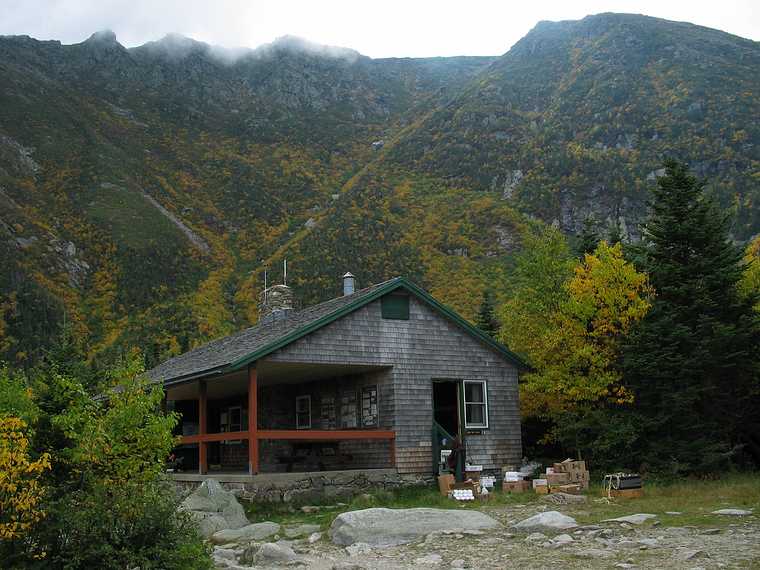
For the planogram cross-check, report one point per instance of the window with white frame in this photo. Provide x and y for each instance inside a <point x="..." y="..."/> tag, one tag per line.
<point x="475" y="404"/>
<point x="303" y="412"/>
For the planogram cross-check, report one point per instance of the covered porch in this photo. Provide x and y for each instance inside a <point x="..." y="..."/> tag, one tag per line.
<point x="283" y="417"/>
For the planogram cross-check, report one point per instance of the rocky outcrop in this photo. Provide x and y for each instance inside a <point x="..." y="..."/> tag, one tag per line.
<point x="390" y="527"/>
<point x="248" y="533"/>
<point x="214" y="508"/>
<point x="550" y="520"/>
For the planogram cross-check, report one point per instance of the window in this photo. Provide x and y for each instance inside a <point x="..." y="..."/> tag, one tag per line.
<point x="348" y="409"/>
<point x="232" y="420"/>
<point x="369" y="406"/>
<point x="475" y="404"/>
<point x="395" y="307"/>
<point x="303" y="412"/>
<point x="329" y="417"/>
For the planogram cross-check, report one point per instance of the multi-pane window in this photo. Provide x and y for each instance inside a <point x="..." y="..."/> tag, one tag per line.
<point x="303" y="412"/>
<point x="348" y="409"/>
<point x="369" y="406"/>
<point x="329" y="418"/>
<point x="475" y="404"/>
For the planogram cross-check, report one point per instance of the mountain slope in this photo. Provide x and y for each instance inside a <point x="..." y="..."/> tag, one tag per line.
<point x="139" y="185"/>
<point x="576" y="119"/>
<point x="573" y="122"/>
<point x="143" y="191"/>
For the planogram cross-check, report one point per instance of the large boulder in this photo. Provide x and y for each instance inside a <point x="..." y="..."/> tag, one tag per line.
<point x="270" y="553"/>
<point x="214" y="508"/>
<point x="390" y="527"/>
<point x="248" y="533"/>
<point x="552" y="520"/>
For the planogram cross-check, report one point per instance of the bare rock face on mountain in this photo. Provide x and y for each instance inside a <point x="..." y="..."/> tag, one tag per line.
<point x="214" y="508"/>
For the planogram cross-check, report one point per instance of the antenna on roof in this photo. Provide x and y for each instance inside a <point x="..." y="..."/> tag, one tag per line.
<point x="284" y="271"/>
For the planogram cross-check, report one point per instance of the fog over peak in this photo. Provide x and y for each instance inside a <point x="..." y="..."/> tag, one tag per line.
<point x="176" y="47"/>
<point x="297" y="44"/>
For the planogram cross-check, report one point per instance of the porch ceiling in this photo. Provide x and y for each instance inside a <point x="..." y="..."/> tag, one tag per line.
<point x="269" y="374"/>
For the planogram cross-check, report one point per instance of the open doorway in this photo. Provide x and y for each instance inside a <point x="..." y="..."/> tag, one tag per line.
<point x="446" y="405"/>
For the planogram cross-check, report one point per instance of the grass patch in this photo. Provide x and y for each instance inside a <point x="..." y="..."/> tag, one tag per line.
<point x="402" y="498"/>
<point x="695" y="499"/>
<point x="128" y="217"/>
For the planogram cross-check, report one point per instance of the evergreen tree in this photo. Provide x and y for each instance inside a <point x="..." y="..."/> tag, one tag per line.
<point x="615" y="232"/>
<point x="486" y="319"/>
<point x="691" y="361"/>
<point x="588" y="238"/>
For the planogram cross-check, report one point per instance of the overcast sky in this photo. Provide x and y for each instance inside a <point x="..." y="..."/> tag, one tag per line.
<point x="377" y="28"/>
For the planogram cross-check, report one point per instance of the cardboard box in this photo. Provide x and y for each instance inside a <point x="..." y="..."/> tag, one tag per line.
<point x="540" y="483"/>
<point x="515" y="486"/>
<point x="572" y="489"/>
<point x="473" y="472"/>
<point x="569" y="466"/>
<point x="557" y="479"/>
<point x="445" y="483"/>
<point x="541" y="489"/>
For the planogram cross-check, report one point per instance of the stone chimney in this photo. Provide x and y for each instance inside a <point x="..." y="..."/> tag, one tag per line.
<point x="275" y="303"/>
<point x="349" y="284"/>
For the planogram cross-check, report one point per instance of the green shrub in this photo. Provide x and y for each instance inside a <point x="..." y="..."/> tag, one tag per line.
<point x="137" y="525"/>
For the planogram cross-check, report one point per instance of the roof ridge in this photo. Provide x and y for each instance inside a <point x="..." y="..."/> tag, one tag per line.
<point x="239" y="349"/>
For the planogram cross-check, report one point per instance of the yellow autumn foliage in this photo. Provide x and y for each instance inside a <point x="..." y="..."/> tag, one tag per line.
<point x="21" y="490"/>
<point x="569" y="323"/>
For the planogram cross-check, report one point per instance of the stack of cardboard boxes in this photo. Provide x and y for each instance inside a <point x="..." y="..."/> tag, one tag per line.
<point x="568" y="477"/>
<point x="514" y="482"/>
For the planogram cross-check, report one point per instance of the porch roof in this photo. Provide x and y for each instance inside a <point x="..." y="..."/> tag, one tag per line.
<point x="238" y="350"/>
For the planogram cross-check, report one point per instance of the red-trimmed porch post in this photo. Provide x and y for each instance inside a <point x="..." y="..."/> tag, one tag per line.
<point x="202" y="410"/>
<point x="253" y="423"/>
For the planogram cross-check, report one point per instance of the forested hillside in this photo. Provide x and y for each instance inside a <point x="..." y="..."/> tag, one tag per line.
<point x="143" y="190"/>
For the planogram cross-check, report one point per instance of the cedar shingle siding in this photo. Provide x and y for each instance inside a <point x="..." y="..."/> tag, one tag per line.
<point x="425" y="347"/>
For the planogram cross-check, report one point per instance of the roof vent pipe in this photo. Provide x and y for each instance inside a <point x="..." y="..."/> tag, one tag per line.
<point x="349" y="284"/>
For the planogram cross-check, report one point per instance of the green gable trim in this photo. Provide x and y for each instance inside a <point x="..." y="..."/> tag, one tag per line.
<point x="392" y="285"/>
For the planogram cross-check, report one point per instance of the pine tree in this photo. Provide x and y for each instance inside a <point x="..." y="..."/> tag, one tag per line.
<point x="588" y="238"/>
<point x="690" y="361"/>
<point x="486" y="319"/>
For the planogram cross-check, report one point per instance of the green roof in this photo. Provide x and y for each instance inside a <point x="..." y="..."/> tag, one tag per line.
<point x="235" y="352"/>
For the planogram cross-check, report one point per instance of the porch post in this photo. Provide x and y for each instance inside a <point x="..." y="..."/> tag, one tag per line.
<point x="202" y="410"/>
<point x="253" y="424"/>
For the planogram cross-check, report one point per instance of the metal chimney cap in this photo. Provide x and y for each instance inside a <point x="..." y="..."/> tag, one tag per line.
<point x="348" y="274"/>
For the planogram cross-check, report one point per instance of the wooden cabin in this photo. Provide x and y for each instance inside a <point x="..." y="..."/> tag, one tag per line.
<point x="369" y="380"/>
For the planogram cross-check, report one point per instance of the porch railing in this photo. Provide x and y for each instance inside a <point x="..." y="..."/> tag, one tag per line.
<point x="253" y="435"/>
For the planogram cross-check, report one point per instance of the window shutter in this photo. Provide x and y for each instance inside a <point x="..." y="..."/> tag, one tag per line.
<point x="395" y="307"/>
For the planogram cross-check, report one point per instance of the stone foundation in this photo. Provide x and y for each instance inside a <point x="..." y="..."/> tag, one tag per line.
<point x="306" y="487"/>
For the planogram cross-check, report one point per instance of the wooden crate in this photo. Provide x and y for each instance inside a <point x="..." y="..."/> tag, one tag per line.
<point x="627" y="493"/>
<point x="444" y="483"/>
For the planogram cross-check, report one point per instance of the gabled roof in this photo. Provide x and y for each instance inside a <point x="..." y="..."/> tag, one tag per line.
<point x="236" y="351"/>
